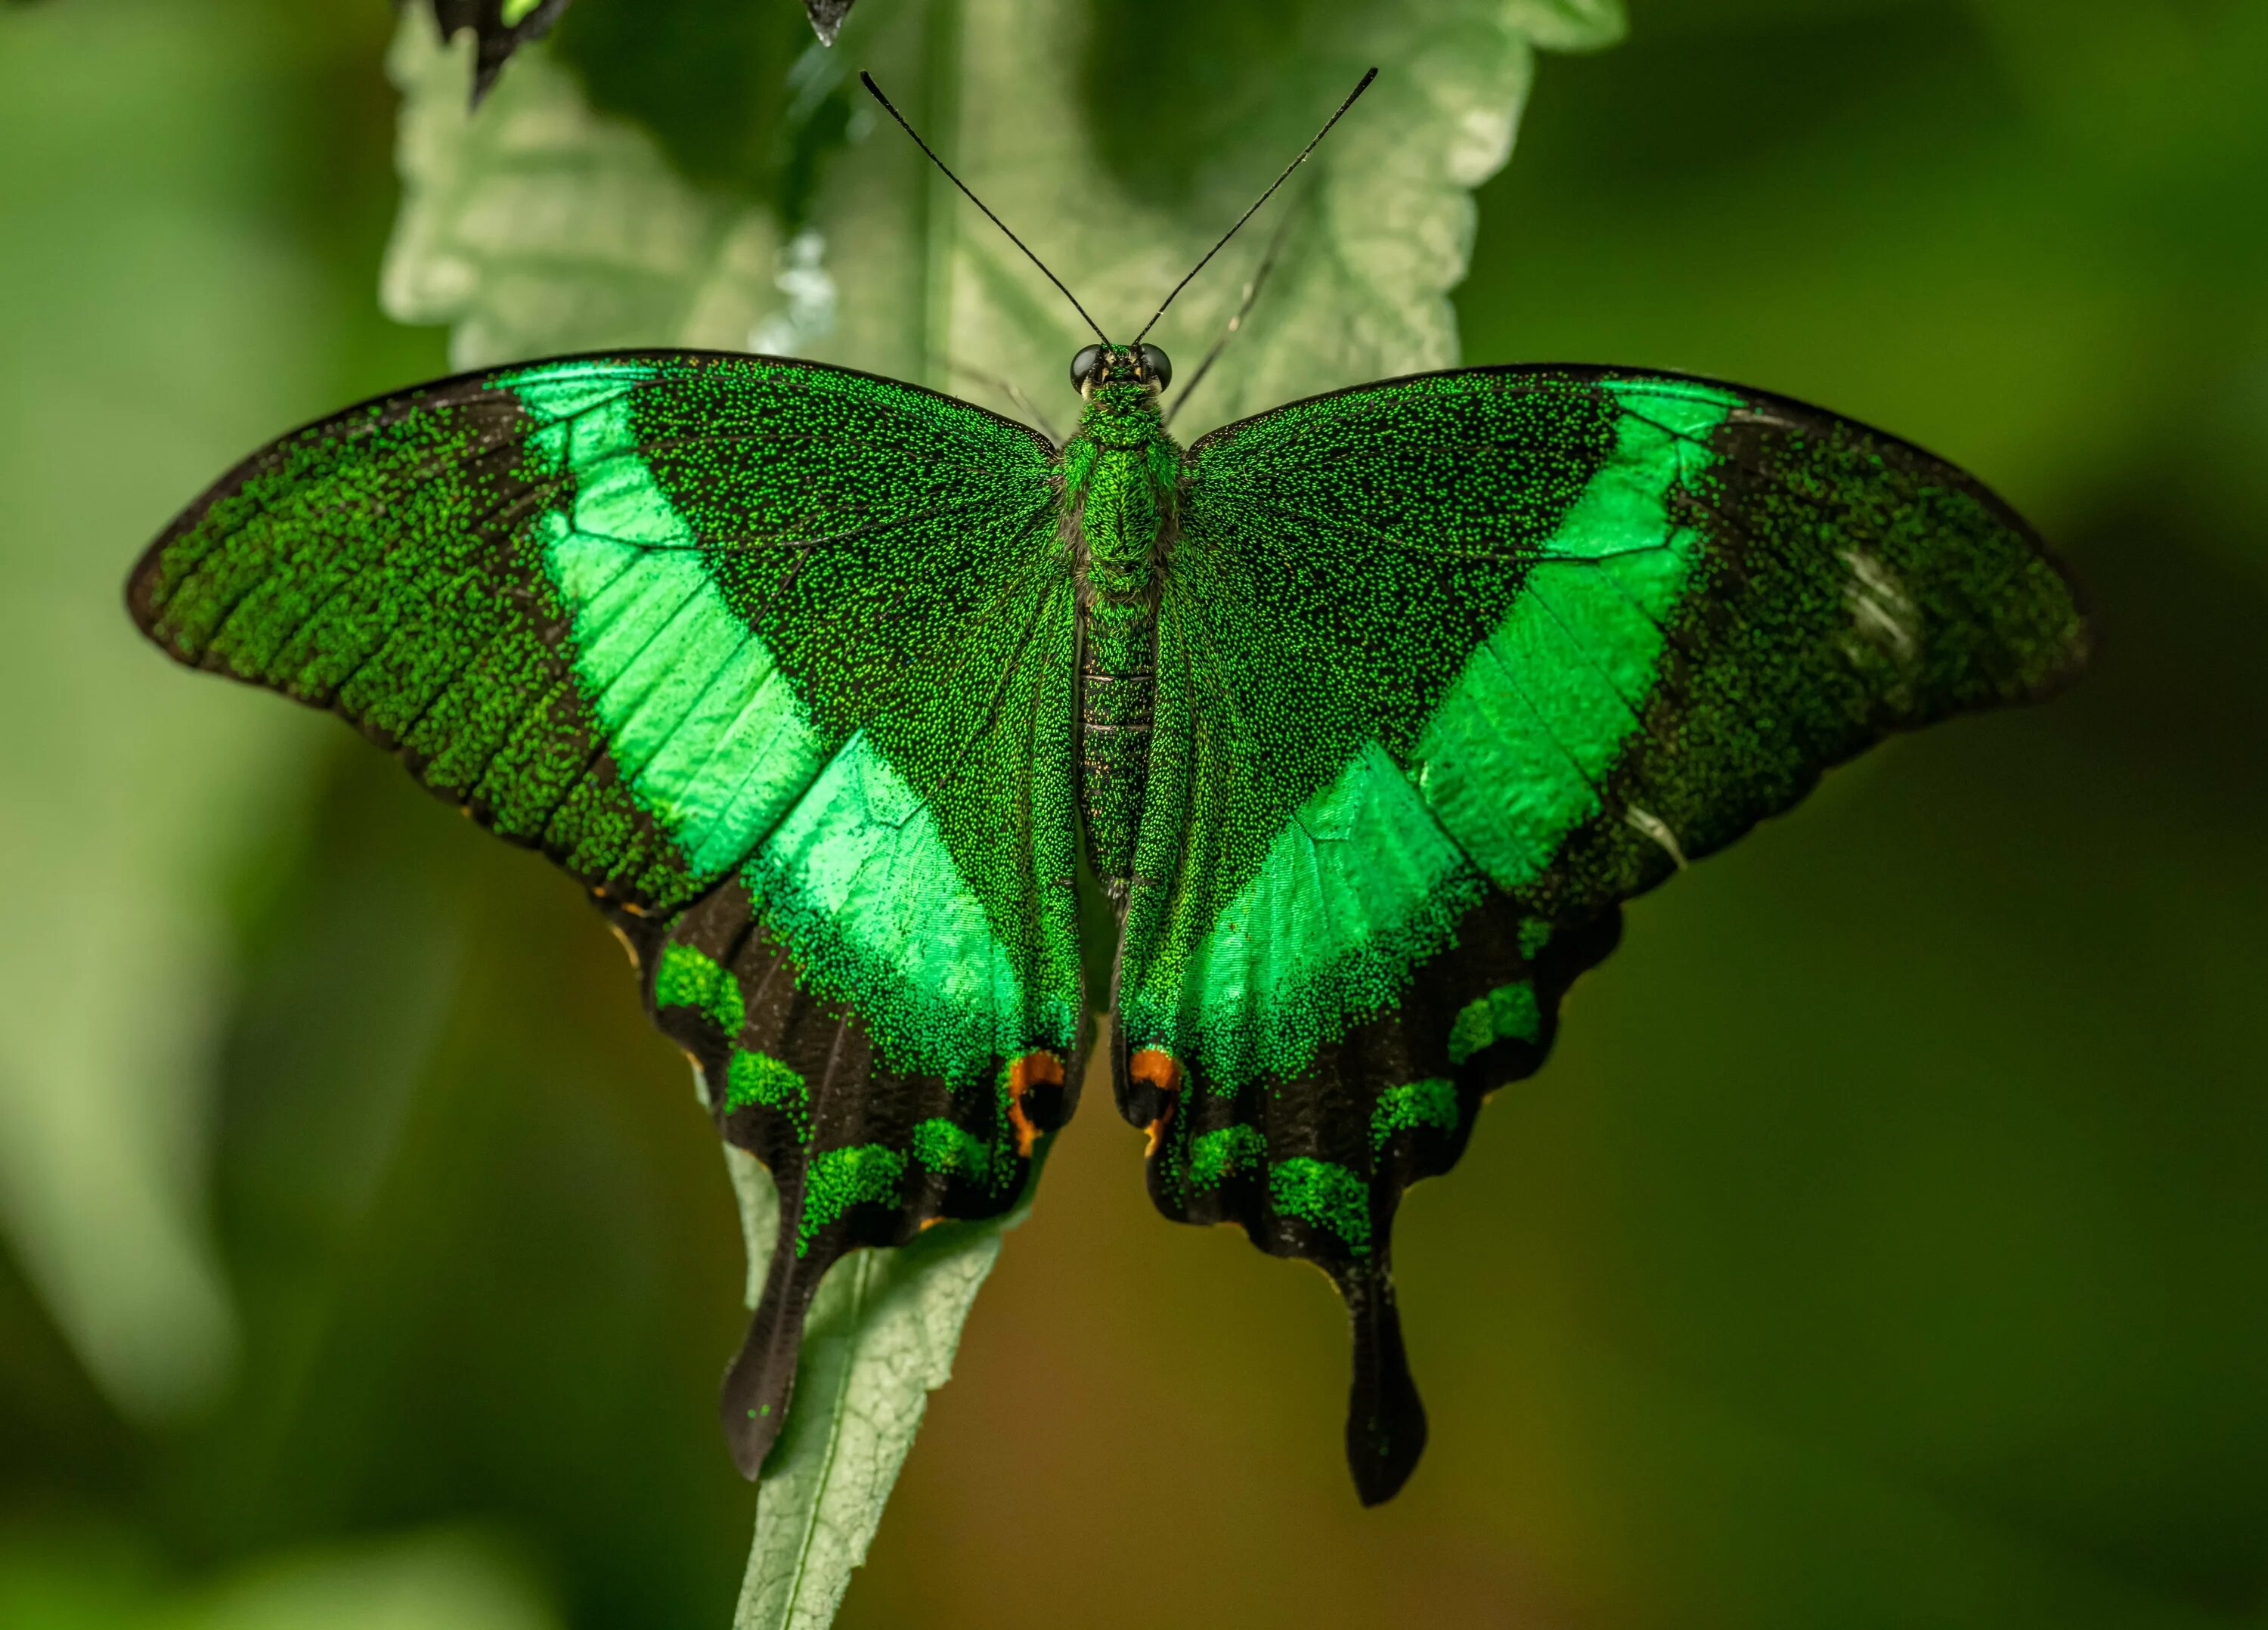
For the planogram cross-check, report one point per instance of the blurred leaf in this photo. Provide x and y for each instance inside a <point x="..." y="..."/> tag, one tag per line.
<point x="737" y="95"/>
<point x="435" y="1582"/>
<point x="484" y="1266"/>
<point x="540" y="225"/>
<point x="154" y="328"/>
<point x="443" y="1580"/>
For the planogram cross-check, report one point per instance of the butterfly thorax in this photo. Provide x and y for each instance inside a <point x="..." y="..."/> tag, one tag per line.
<point x="1120" y="475"/>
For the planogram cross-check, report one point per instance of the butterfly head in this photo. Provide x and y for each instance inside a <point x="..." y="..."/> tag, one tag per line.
<point x="1143" y="367"/>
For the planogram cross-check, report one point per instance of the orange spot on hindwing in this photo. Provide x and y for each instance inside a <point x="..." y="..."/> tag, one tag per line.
<point x="1038" y="1076"/>
<point x="1160" y="1071"/>
<point x="1158" y="1067"/>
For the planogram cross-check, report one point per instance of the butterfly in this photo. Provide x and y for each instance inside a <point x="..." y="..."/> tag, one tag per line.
<point x="1342" y="733"/>
<point x="502" y="27"/>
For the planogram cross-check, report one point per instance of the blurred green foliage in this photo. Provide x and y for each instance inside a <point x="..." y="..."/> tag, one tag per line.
<point x="1884" y="1247"/>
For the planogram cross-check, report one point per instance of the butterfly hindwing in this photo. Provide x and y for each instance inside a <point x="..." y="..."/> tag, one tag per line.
<point x="778" y="659"/>
<point x="1313" y="1164"/>
<point x="1448" y="667"/>
<point x="864" y="1147"/>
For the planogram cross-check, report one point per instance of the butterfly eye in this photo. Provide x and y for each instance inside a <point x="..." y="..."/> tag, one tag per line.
<point x="1158" y="366"/>
<point x="1082" y="367"/>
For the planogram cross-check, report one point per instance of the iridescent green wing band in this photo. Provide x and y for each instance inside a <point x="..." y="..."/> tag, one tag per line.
<point x="1448" y="667"/>
<point x="778" y="659"/>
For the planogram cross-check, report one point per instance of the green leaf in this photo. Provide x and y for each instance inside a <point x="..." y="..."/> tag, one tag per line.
<point x="537" y="226"/>
<point x="544" y="224"/>
<point x="540" y="225"/>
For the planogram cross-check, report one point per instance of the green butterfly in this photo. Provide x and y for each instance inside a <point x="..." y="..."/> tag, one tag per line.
<point x="1347" y="729"/>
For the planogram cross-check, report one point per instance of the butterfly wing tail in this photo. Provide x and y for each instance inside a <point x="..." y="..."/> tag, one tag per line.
<point x="760" y="1384"/>
<point x="1386" y="1420"/>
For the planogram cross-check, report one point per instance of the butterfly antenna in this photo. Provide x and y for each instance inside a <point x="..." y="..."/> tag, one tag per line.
<point x="875" y="90"/>
<point x="1249" y="214"/>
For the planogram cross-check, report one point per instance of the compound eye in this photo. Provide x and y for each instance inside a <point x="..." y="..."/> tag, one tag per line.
<point x="1082" y="367"/>
<point x="1158" y="366"/>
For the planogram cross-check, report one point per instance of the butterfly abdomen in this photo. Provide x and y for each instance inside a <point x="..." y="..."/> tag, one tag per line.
<point x="1119" y="476"/>
<point x="1118" y="686"/>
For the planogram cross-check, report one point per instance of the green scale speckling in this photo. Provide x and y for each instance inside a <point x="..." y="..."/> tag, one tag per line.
<point x="1368" y="713"/>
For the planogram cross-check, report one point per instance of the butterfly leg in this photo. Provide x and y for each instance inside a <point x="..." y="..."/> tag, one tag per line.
<point x="1014" y="393"/>
<point x="1244" y="308"/>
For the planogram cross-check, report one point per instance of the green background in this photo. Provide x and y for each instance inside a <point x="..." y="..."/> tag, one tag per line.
<point x="1885" y="1245"/>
